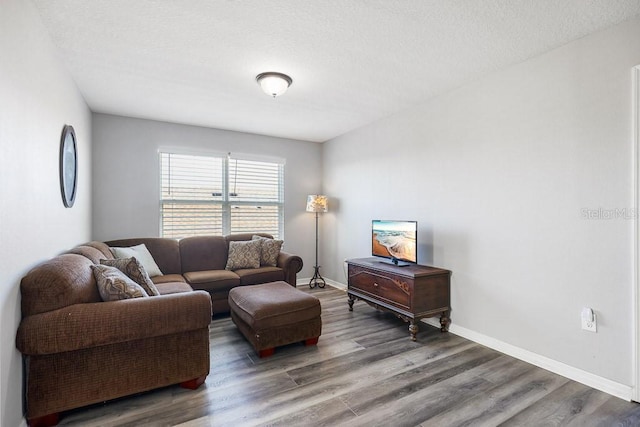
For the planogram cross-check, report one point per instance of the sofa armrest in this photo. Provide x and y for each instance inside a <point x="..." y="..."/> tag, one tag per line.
<point x="291" y="264"/>
<point x="94" y="324"/>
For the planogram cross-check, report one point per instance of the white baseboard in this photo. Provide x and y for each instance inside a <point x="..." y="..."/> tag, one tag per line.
<point x="599" y="383"/>
<point x="304" y="282"/>
<point x="595" y="381"/>
<point x="336" y="284"/>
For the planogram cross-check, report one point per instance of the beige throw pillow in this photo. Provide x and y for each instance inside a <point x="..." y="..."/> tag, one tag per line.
<point x="134" y="271"/>
<point x="243" y="254"/>
<point x="142" y="254"/>
<point x="114" y="285"/>
<point x="269" y="250"/>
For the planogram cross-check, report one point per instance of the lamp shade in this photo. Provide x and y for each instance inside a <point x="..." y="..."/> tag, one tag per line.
<point x="274" y="84"/>
<point x="317" y="203"/>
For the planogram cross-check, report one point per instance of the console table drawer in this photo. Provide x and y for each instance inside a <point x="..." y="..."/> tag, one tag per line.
<point x="381" y="286"/>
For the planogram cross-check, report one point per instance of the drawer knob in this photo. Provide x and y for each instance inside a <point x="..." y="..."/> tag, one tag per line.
<point x="375" y="284"/>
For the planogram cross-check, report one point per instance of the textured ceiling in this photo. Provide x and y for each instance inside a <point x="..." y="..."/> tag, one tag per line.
<point x="352" y="61"/>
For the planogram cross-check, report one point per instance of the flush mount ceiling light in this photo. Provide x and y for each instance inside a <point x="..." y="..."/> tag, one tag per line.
<point x="274" y="84"/>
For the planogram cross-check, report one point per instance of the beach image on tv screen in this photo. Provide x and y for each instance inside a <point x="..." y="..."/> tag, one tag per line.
<point x="395" y="240"/>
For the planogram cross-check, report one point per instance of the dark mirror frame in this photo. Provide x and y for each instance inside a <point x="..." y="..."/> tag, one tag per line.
<point x="68" y="167"/>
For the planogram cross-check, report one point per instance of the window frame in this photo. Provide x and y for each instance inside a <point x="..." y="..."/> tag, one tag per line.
<point x="226" y="202"/>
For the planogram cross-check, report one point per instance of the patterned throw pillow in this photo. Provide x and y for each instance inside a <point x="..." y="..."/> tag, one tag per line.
<point x="114" y="285"/>
<point x="270" y="249"/>
<point x="243" y="254"/>
<point x="134" y="271"/>
<point x="142" y="254"/>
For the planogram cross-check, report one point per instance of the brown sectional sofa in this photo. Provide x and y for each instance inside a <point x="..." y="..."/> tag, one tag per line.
<point x="79" y="350"/>
<point x="200" y="261"/>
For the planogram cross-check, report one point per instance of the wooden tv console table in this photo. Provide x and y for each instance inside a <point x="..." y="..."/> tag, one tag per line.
<point x="411" y="293"/>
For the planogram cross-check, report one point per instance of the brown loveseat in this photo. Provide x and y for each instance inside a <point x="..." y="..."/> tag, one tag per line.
<point x="79" y="350"/>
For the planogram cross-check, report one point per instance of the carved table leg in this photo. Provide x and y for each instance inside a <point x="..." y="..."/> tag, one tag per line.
<point x="413" y="329"/>
<point x="444" y="322"/>
<point x="351" y="301"/>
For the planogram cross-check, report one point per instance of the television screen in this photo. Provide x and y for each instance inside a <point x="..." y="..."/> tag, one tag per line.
<point x="395" y="240"/>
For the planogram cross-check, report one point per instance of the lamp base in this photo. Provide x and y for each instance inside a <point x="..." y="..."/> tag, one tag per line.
<point x="317" y="279"/>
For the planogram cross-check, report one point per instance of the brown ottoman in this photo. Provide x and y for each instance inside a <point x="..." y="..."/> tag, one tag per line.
<point x="275" y="314"/>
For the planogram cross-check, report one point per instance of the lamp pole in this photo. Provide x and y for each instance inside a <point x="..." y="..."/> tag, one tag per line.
<point x="317" y="279"/>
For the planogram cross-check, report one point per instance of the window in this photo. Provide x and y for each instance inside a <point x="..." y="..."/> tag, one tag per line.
<point x="204" y="195"/>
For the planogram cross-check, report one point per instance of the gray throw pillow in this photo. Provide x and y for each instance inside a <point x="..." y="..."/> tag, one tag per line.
<point x="134" y="271"/>
<point x="114" y="285"/>
<point x="142" y="254"/>
<point x="269" y="250"/>
<point x="243" y="254"/>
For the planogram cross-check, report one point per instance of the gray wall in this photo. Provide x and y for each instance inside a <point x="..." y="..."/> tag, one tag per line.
<point x="497" y="174"/>
<point x="37" y="98"/>
<point x="126" y="183"/>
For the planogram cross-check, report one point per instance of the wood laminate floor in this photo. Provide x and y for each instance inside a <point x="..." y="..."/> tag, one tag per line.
<point x="365" y="371"/>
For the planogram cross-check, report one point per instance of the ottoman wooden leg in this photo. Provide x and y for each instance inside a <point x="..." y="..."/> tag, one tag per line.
<point x="44" y="421"/>
<point x="266" y="352"/>
<point x="194" y="383"/>
<point x="311" y="341"/>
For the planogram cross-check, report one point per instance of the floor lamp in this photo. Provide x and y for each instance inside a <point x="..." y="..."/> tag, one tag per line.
<point x="317" y="203"/>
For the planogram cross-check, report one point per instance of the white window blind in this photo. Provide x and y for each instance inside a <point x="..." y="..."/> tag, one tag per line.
<point x="204" y="195"/>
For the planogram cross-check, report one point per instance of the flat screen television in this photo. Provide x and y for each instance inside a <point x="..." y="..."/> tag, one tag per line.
<point x="395" y="241"/>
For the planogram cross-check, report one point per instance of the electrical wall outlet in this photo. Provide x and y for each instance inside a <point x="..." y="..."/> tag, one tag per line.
<point x="589" y="321"/>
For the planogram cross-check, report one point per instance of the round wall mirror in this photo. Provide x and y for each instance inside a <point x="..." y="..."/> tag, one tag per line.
<point x="68" y="166"/>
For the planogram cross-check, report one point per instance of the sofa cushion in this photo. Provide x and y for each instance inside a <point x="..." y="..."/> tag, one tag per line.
<point x="89" y="252"/>
<point x="252" y="276"/>
<point x="165" y="252"/>
<point x="168" y="278"/>
<point x="59" y="282"/>
<point x="213" y="280"/>
<point x="102" y="247"/>
<point x="114" y="285"/>
<point x="239" y="237"/>
<point x="202" y="253"/>
<point x="142" y="254"/>
<point x="173" y="288"/>
<point x="244" y="255"/>
<point x="269" y="250"/>
<point x="134" y="271"/>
